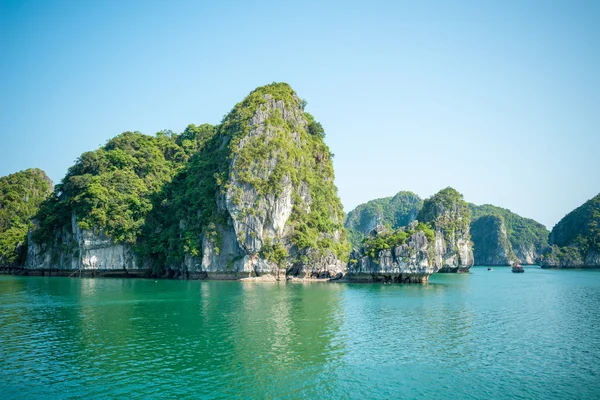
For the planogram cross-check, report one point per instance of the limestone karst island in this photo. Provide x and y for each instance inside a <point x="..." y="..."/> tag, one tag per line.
<point x="258" y="199"/>
<point x="254" y="198"/>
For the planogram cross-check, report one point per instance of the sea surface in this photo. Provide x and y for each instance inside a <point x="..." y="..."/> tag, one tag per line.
<point x="482" y="335"/>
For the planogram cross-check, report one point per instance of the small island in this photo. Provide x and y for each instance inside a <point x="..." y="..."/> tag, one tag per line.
<point x="437" y="241"/>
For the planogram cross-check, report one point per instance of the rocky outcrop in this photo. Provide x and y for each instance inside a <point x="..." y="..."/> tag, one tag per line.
<point x="74" y="249"/>
<point x="259" y="219"/>
<point x="412" y="260"/>
<point x="448" y="214"/>
<point x="274" y="209"/>
<point x="490" y="241"/>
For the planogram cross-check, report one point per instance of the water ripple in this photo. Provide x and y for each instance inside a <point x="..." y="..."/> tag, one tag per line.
<point x="476" y="336"/>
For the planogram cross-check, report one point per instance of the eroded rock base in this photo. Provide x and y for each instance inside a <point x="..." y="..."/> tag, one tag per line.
<point x="387" y="278"/>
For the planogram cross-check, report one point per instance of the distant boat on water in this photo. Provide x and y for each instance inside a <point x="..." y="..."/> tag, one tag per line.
<point x="490" y="269"/>
<point x="517" y="267"/>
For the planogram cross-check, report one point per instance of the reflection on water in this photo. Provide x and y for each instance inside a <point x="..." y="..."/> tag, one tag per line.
<point x="460" y="336"/>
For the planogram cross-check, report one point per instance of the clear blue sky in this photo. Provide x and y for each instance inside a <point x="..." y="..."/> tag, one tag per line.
<point x="500" y="100"/>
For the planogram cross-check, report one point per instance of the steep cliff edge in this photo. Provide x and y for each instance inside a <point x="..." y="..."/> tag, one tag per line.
<point x="392" y="212"/>
<point x="490" y="241"/>
<point x="21" y="194"/>
<point x="526" y="238"/>
<point x="575" y="240"/>
<point x="406" y="255"/>
<point x="258" y="200"/>
<point x="449" y="215"/>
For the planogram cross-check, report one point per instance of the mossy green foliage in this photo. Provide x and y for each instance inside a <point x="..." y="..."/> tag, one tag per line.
<point x="580" y="227"/>
<point x="447" y="212"/>
<point x="300" y="154"/>
<point x="274" y="252"/>
<point x="110" y="189"/>
<point x="522" y="232"/>
<point x="392" y="212"/>
<point x="160" y="192"/>
<point x="389" y="239"/>
<point x="186" y="208"/>
<point x="21" y="194"/>
<point x="567" y="256"/>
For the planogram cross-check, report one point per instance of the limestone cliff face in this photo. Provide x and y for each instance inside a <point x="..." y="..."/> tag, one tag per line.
<point x="527" y="253"/>
<point x="526" y="238"/>
<point x="277" y="210"/>
<point x="491" y="244"/>
<point x="79" y="249"/>
<point x="448" y="214"/>
<point x="410" y="262"/>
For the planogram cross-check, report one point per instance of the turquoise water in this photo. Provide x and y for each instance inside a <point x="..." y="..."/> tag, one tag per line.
<point x="481" y="335"/>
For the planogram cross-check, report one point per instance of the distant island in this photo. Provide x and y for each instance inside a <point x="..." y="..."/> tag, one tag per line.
<point x="254" y="198"/>
<point x="499" y="236"/>
<point x="575" y="240"/>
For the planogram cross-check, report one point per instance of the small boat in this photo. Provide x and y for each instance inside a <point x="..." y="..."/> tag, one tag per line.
<point x="490" y="269"/>
<point x="517" y="267"/>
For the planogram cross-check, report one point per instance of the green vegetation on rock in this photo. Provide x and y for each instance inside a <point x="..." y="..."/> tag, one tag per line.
<point x="297" y="149"/>
<point x="575" y="240"/>
<point x="447" y="212"/>
<point x="392" y="212"/>
<point x="267" y="143"/>
<point x="21" y="194"/>
<point x="110" y="190"/>
<point x="524" y="234"/>
<point x="580" y="227"/>
<point x="490" y="240"/>
<point x="186" y="207"/>
<point x="388" y="239"/>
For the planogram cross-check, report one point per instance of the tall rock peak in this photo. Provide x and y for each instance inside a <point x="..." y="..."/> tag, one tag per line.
<point x="449" y="215"/>
<point x="277" y="191"/>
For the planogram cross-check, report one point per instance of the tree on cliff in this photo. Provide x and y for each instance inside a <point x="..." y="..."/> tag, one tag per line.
<point x="21" y="194"/>
<point x="110" y="189"/>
